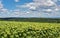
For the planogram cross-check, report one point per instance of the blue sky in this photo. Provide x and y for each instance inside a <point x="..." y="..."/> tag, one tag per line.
<point x="30" y="8"/>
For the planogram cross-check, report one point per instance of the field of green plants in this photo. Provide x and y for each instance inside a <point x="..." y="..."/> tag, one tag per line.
<point x="13" y="29"/>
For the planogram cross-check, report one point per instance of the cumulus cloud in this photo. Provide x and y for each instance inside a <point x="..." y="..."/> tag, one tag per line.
<point x="16" y="0"/>
<point x="47" y="8"/>
<point x="37" y="8"/>
<point x="45" y="2"/>
<point x="2" y="9"/>
<point x="49" y="4"/>
<point x="1" y="5"/>
<point x="38" y="4"/>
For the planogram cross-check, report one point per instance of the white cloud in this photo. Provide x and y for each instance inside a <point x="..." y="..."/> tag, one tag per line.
<point x="48" y="10"/>
<point x="29" y="5"/>
<point x="27" y="12"/>
<point x="2" y="9"/>
<point x="15" y="12"/>
<point x="45" y="2"/>
<point x="32" y="7"/>
<point x="41" y="6"/>
<point x="16" y="0"/>
<point x="49" y="3"/>
<point x="1" y="5"/>
<point x="56" y="9"/>
<point x="38" y="3"/>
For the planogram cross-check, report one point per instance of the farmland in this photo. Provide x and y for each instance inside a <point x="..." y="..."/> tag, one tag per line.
<point x="29" y="29"/>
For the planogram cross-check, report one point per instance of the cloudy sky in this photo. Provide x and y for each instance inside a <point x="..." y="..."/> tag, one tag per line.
<point x="30" y="8"/>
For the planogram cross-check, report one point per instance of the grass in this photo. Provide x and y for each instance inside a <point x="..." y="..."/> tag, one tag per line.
<point x="14" y="29"/>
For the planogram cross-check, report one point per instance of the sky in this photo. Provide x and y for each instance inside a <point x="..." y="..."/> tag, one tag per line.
<point x="30" y="8"/>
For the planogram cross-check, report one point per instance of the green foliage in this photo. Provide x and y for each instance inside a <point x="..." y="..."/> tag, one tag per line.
<point x="11" y="29"/>
<point x="42" y="20"/>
